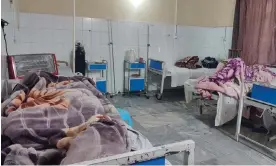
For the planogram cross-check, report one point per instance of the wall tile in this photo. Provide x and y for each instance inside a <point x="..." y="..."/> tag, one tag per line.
<point x="79" y="36"/>
<point x="67" y="23"/>
<point x="79" y="23"/>
<point x="9" y="17"/>
<point x="95" y="38"/>
<point x="55" y="35"/>
<point x="23" y="48"/>
<point x="99" y="25"/>
<point x="41" y="21"/>
<point x="143" y="40"/>
<point x="104" y="39"/>
<point x="6" y="6"/>
<point x="25" y="35"/>
<point x="87" y="24"/>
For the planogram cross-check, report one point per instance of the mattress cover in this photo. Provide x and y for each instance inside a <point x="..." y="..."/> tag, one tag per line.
<point x="181" y="75"/>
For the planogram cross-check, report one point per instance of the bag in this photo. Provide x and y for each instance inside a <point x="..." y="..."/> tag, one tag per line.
<point x="131" y="56"/>
<point x="80" y="65"/>
<point x="209" y="62"/>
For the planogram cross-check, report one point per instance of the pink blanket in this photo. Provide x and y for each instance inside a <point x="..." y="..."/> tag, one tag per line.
<point x="227" y="79"/>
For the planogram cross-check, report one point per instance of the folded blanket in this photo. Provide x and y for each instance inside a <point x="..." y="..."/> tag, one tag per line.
<point x="48" y="111"/>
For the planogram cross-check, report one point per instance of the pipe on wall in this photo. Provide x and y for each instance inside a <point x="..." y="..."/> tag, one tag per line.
<point x="74" y="35"/>
<point x="176" y="19"/>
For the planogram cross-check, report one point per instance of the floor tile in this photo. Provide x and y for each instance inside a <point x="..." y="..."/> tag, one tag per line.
<point x="171" y="120"/>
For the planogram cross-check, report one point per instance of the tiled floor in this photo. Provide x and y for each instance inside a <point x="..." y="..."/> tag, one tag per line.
<point x="171" y="120"/>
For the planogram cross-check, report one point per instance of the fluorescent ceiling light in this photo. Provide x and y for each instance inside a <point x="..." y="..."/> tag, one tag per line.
<point x="136" y="3"/>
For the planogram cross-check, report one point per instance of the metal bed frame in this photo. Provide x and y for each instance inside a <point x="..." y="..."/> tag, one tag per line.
<point x="157" y="67"/>
<point x="242" y="102"/>
<point x="232" y="53"/>
<point x="189" y="91"/>
<point x="152" y="156"/>
<point x="256" y="103"/>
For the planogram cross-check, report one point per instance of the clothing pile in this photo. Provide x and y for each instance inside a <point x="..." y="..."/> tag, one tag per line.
<point x="189" y="62"/>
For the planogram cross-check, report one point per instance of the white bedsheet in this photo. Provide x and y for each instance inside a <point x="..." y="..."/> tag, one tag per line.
<point x="226" y="106"/>
<point x="181" y="75"/>
<point x="227" y="109"/>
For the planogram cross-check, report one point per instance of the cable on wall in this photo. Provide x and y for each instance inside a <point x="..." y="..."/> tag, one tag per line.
<point x="3" y="24"/>
<point x="176" y="19"/>
<point x="175" y="37"/>
<point x="224" y="40"/>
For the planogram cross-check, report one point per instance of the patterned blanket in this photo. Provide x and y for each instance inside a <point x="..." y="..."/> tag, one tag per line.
<point x="189" y="62"/>
<point x="49" y="116"/>
<point x="227" y="79"/>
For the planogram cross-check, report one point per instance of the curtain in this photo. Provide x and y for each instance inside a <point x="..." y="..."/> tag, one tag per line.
<point x="255" y="31"/>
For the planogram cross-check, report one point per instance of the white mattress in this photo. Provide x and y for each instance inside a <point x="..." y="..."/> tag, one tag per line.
<point x="181" y="75"/>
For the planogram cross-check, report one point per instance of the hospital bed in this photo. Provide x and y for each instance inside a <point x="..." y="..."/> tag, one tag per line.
<point x="147" y="156"/>
<point x="178" y="75"/>
<point x="225" y="106"/>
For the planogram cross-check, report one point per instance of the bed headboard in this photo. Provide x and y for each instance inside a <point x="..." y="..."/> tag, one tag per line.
<point x="156" y="64"/>
<point x="19" y="65"/>
<point x="234" y="53"/>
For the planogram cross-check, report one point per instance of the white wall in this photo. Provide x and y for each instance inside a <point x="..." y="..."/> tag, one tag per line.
<point x="204" y="41"/>
<point x="6" y="13"/>
<point x="40" y="33"/>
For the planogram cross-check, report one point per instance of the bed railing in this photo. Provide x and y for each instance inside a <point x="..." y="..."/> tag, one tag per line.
<point x="152" y="156"/>
<point x="234" y="53"/>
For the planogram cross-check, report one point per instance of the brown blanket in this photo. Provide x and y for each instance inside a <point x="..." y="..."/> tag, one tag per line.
<point x="189" y="62"/>
<point x="47" y="111"/>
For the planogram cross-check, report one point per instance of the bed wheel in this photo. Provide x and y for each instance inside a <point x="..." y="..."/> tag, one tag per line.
<point x="147" y="97"/>
<point x="111" y="96"/>
<point x="201" y="109"/>
<point x="159" y="96"/>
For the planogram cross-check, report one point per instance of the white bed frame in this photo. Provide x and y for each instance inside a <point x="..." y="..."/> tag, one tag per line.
<point x="248" y="101"/>
<point x="157" y="67"/>
<point x="142" y="156"/>
<point x="190" y="94"/>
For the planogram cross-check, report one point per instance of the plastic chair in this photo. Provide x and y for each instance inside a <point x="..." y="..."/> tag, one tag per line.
<point x="125" y="116"/>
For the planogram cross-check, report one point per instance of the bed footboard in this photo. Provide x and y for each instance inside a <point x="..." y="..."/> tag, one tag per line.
<point x="152" y="156"/>
<point x="157" y="67"/>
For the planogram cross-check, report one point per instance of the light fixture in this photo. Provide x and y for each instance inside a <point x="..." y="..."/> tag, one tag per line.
<point x="136" y="3"/>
